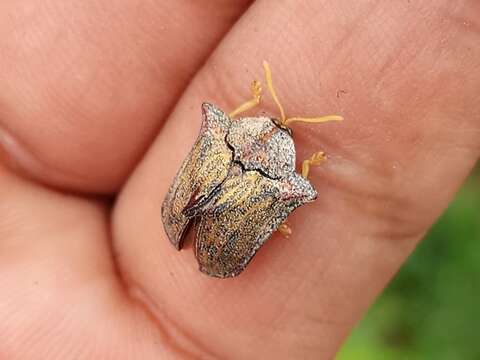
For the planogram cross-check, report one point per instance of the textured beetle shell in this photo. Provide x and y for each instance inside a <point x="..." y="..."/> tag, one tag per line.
<point x="202" y="172"/>
<point x="239" y="183"/>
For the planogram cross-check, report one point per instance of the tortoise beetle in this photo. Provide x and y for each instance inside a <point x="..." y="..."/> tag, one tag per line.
<point x="238" y="185"/>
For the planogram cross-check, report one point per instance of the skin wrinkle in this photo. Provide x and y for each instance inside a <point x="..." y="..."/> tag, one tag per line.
<point x="374" y="202"/>
<point x="163" y="323"/>
<point x="376" y="196"/>
<point x="374" y="199"/>
<point x="60" y="277"/>
<point x="167" y="326"/>
<point x="19" y="157"/>
<point x="305" y="282"/>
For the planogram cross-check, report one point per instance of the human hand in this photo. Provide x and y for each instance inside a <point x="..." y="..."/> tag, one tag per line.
<point x="88" y="86"/>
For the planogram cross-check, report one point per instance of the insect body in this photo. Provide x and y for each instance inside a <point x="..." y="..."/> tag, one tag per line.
<point x="238" y="185"/>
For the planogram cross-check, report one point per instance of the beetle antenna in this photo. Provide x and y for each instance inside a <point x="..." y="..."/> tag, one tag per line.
<point x="315" y="120"/>
<point x="283" y="118"/>
<point x="268" y="78"/>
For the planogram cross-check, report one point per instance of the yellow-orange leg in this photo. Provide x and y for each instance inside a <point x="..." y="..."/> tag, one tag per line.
<point x="315" y="160"/>
<point x="256" y="90"/>
<point x="285" y="230"/>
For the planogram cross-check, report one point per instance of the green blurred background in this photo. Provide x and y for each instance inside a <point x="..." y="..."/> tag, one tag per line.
<point x="431" y="310"/>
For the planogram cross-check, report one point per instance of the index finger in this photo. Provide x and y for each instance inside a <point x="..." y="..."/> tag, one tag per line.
<point x="409" y="139"/>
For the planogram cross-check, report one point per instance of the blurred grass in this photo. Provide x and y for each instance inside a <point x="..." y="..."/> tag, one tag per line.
<point x="431" y="310"/>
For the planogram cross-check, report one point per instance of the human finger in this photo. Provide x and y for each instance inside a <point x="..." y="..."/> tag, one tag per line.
<point x="407" y="89"/>
<point x="86" y="85"/>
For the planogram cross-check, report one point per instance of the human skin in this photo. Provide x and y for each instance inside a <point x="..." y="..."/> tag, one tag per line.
<point x="88" y="87"/>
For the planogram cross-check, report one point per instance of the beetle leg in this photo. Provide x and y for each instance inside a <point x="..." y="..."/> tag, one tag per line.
<point x="316" y="159"/>
<point x="285" y="230"/>
<point x="256" y="90"/>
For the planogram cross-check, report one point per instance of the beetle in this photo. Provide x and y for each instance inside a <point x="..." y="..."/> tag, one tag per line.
<point x="238" y="184"/>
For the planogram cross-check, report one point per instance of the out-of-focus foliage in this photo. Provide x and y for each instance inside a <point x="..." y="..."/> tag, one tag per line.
<point x="431" y="310"/>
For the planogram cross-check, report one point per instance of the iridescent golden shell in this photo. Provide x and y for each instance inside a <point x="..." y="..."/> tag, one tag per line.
<point x="239" y="184"/>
